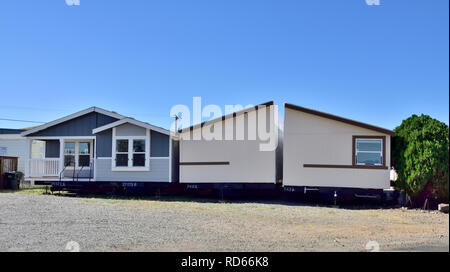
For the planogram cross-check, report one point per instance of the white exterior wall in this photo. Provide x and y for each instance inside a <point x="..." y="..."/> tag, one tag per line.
<point x="16" y="146"/>
<point x="310" y="139"/>
<point x="247" y="164"/>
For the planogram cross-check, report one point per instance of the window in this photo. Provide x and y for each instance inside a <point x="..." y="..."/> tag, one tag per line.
<point x="69" y="154"/>
<point x="122" y="153"/>
<point x="77" y="153"/>
<point x="84" y="154"/>
<point x="131" y="153"/>
<point x="139" y="152"/>
<point x="369" y="151"/>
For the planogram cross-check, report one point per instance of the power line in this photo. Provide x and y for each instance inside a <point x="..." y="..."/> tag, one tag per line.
<point x="31" y="108"/>
<point x="17" y="120"/>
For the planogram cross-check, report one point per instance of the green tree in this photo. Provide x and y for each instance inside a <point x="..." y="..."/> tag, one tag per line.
<point x="420" y="156"/>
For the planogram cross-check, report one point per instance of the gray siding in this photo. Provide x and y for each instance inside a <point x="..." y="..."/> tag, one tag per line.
<point x="130" y="130"/>
<point x="52" y="149"/>
<point x="80" y="173"/>
<point x="104" y="143"/>
<point x="159" y="144"/>
<point x="159" y="172"/>
<point x="81" y="126"/>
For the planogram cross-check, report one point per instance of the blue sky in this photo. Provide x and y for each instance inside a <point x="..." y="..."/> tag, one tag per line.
<point x="376" y="64"/>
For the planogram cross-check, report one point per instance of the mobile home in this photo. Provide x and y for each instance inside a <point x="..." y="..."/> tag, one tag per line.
<point x="100" y="146"/>
<point x="237" y="157"/>
<point x="328" y="152"/>
<point x="14" y="145"/>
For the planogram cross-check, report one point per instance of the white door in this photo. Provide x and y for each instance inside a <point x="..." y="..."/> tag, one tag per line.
<point x="77" y="153"/>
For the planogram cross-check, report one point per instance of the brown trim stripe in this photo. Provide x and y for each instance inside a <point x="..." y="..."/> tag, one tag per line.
<point x="205" y="163"/>
<point x="345" y="166"/>
<point x="340" y="119"/>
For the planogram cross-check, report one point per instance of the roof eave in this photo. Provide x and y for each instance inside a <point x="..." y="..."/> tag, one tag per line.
<point x="131" y="121"/>
<point x="70" y="117"/>
<point x="222" y="118"/>
<point x="339" y="119"/>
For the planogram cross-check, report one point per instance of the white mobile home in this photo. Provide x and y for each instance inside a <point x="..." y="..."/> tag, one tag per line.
<point x="327" y="151"/>
<point x="96" y="145"/>
<point x="14" y="145"/>
<point x="237" y="156"/>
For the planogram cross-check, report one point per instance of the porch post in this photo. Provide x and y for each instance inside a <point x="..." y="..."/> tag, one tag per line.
<point x="28" y="151"/>
<point x="61" y="155"/>
<point x="170" y="155"/>
<point x="95" y="158"/>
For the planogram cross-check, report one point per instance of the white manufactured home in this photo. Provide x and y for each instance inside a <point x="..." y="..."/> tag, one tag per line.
<point x="236" y="154"/>
<point x="97" y="145"/>
<point x="14" y="145"/>
<point x="322" y="150"/>
<point x="247" y="149"/>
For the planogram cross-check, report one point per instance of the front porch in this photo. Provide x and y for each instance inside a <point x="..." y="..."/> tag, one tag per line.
<point x="61" y="159"/>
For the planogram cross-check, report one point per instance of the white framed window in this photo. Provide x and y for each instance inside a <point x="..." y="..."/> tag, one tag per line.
<point x="131" y="153"/>
<point x="77" y="153"/>
<point x="369" y="151"/>
<point x="139" y="156"/>
<point x="84" y="154"/>
<point x="122" y="147"/>
<point x="69" y="154"/>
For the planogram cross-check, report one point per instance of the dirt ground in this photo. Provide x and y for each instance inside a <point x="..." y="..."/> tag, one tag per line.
<point x="37" y="222"/>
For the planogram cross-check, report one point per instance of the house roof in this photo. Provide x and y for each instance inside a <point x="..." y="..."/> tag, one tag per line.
<point x="339" y="119"/>
<point x="130" y="121"/>
<point x="28" y="128"/>
<point x="222" y="118"/>
<point x="70" y="117"/>
<point x="11" y="131"/>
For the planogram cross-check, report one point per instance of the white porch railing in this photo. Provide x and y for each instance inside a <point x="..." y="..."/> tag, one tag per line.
<point x="44" y="167"/>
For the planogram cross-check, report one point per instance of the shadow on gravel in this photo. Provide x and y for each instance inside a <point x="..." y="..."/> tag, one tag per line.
<point x="280" y="199"/>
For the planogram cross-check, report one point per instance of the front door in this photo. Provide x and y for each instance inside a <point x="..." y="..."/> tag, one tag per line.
<point x="77" y="153"/>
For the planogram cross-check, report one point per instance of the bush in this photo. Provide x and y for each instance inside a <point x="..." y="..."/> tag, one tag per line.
<point x="420" y="155"/>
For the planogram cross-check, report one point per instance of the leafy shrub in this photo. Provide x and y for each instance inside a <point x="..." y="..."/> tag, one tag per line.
<point x="420" y="155"/>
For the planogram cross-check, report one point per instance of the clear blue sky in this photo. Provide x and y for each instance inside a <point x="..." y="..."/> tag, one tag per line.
<point x="376" y="64"/>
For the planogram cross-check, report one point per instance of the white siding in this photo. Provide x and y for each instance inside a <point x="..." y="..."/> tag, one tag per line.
<point x="247" y="163"/>
<point x="16" y="147"/>
<point x="309" y="139"/>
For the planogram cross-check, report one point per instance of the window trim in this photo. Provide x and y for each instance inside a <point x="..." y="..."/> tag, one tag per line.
<point x="120" y="152"/>
<point x="130" y="152"/>
<point x="138" y="152"/>
<point x="383" y="151"/>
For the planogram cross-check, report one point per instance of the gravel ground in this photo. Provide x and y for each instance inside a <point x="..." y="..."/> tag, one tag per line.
<point x="31" y="222"/>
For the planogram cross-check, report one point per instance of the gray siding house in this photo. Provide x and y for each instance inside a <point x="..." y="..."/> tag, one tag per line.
<point x="97" y="145"/>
